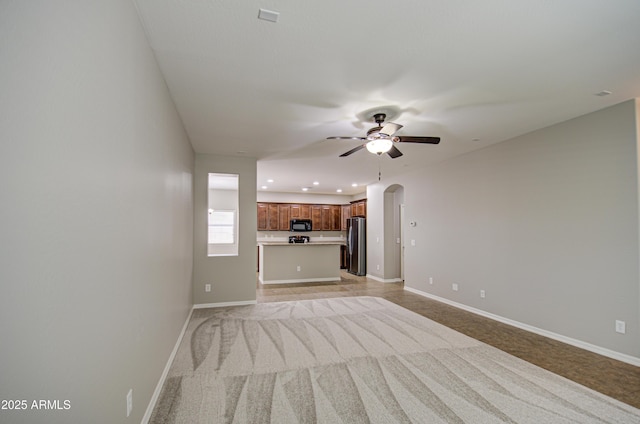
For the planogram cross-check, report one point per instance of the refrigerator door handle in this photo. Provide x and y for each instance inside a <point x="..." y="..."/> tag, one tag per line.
<point x="350" y="240"/>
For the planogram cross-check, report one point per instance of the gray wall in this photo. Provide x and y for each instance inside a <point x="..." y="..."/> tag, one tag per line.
<point x="546" y="224"/>
<point x="96" y="217"/>
<point x="232" y="278"/>
<point x="329" y="199"/>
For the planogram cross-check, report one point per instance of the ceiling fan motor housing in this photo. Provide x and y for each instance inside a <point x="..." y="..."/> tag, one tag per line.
<point x="379" y="118"/>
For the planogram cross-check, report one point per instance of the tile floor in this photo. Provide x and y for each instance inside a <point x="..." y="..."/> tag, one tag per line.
<point x="611" y="377"/>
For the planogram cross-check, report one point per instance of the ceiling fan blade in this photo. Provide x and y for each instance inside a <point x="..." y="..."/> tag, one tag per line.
<point x="346" y="138"/>
<point x="410" y="139"/>
<point x="390" y="128"/>
<point x="353" y="150"/>
<point x="394" y="153"/>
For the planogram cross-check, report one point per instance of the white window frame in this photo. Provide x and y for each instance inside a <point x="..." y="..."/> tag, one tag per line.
<point x="228" y="224"/>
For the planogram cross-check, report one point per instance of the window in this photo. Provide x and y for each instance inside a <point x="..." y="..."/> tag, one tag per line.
<point x="223" y="216"/>
<point x="222" y="227"/>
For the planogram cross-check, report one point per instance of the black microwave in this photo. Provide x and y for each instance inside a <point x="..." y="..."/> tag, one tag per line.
<point x="300" y="225"/>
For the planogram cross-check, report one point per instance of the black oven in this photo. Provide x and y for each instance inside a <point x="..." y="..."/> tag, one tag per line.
<point x="300" y="225"/>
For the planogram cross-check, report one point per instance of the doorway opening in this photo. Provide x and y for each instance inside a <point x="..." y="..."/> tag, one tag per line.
<point x="394" y="233"/>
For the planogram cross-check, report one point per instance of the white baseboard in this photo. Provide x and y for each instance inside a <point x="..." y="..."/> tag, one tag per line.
<point x="383" y="280"/>
<point x="163" y="377"/>
<point x="222" y="304"/>
<point x="559" y="337"/>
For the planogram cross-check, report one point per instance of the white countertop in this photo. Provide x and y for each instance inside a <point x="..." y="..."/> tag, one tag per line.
<point x="311" y="243"/>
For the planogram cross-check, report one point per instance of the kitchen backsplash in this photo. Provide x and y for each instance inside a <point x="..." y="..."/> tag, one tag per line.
<point x="265" y="236"/>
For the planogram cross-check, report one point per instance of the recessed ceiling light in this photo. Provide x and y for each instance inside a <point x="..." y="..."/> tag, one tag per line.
<point x="269" y="180"/>
<point x="264" y="187"/>
<point x="602" y="93"/>
<point x="354" y="185"/>
<point x="339" y="190"/>
<point x="316" y="183"/>
<point x="305" y="188"/>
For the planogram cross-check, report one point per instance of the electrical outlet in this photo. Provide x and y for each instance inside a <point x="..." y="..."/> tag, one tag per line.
<point x="298" y="268"/>
<point x="207" y="287"/>
<point x="430" y="280"/>
<point x="413" y="242"/>
<point x="378" y="267"/>
<point x="621" y="327"/>
<point x="482" y="294"/>
<point x="129" y="402"/>
<point x="454" y="286"/>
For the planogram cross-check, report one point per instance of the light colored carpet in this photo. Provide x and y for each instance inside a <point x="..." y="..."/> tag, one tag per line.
<point x="359" y="360"/>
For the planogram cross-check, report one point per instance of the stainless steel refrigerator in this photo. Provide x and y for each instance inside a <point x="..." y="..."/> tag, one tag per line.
<point x="357" y="246"/>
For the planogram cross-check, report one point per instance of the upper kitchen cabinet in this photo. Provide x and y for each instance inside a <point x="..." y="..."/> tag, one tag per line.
<point x="345" y="214"/>
<point x="331" y="218"/>
<point x="300" y="211"/>
<point x="316" y="217"/>
<point x="276" y="216"/>
<point x="359" y="208"/>
<point x="263" y="214"/>
<point x="273" y="217"/>
<point x="284" y="215"/>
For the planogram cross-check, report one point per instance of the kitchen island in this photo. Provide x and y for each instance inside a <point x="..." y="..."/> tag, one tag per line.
<point x="284" y="263"/>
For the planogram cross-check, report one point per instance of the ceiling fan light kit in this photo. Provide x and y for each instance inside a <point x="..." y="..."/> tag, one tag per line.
<point x="379" y="139"/>
<point x="380" y="145"/>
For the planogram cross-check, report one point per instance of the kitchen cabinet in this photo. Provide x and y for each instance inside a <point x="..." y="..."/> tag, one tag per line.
<point x="263" y="214"/>
<point x="326" y="218"/>
<point x="345" y="214"/>
<point x="359" y="208"/>
<point x="273" y="221"/>
<point x="273" y="217"/>
<point x="316" y="217"/>
<point x="302" y="211"/>
<point x="276" y="216"/>
<point x="336" y="224"/>
<point x="330" y="218"/>
<point x="284" y="215"/>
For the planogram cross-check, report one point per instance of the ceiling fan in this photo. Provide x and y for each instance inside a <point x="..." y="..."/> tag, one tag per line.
<point x="380" y="139"/>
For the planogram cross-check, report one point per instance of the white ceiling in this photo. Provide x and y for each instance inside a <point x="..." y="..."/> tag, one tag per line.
<point x="471" y="72"/>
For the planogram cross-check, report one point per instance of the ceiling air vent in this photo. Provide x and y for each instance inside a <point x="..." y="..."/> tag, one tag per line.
<point x="268" y="15"/>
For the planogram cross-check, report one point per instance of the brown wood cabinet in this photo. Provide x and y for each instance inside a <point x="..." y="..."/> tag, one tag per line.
<point x="359" y="208"/>
<point x="336" y="223"/>
<point x="263" y="213"/>
<point x="272" y="217"/>
<point x="302" y="211"/>
<point x="316" y="217"/>
<point x="277" y="216"/>
<point x="345" y="213"/>
<point x="326" y="218"/>
<point x="284" y="216"/>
